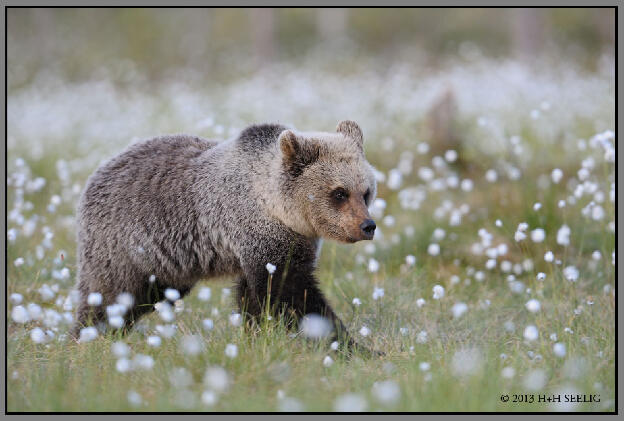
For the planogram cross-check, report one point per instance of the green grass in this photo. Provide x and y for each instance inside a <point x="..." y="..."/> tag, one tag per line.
<point x="65" y="376"/>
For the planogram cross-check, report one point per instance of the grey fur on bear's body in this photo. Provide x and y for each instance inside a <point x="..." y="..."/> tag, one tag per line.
<point x="183" y="208"/>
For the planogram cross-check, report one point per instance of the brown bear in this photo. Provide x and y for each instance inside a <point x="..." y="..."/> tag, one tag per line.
<point x="181" y="208"/>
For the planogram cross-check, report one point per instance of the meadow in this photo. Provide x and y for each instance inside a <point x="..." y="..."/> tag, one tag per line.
<point x="492" y="272"/>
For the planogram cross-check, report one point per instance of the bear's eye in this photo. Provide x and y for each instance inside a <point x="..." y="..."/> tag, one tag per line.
<point x="340" y="195"/>
<point x="367" y="196"/>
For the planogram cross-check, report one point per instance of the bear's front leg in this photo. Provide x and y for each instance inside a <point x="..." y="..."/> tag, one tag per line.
<point x="293" y="287"/>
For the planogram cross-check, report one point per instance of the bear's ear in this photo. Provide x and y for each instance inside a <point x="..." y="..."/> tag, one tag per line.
<point x="298" y="153"/>
<point x="288" y="144"/>
<point x="351" y="130"/>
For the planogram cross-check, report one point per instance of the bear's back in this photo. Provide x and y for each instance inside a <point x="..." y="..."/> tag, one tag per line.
<point x="139" y="201"/>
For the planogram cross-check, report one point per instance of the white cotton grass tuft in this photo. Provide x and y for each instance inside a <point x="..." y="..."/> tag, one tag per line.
<point x="438" y="292"/>
<point x="433" y="249"/>
<point x="172" y="294"/>
<point x="328" y="361"/>
<point x="410" y="260"/>
<point x="315" y="326"/>
<point x="466" y="362"/>
<point x="209" y="398"/>
<point x="217" y="379"/>
<point x="123" y="365"/>
<point x="88" y="334"/>
<point x="166" y="331"/>
<point x="116" y="322"/>
<point x="120" y="349"/>
<point x="519" y="236"/>
<point x="19" y="314"/>
<point x="231" y="351"/>
<point x="373" y="265"/>
<point x="531" y="333"/>
<point x="143" y="362"/>
<point x="559" y="350"/>
<point x="288" y="404"/>
<point x="386" y="392"/>
<point x="538" y="235"/>
<point x="34" y="311"/>
<point x="571" y="273"/>
<point x="365" y="331"/>
<point x="207" y="324"/>
<point x="350" y="402"/>
<point x="356" y="302"/>
<point x="535" y="380"/>
<point x="46" y="293"/>
<point x="134" y="398"/>
<point x="38" y="336"/>
<point x="420" y="302"/>
<point x="270" y="268"/>
<point x="459" y="309"/>
<point x="204" y="294"/>
<point x="508" y="373"/>
<point x="378" y="293"/>
<point x="533" y="305"/>
<point x="94" y="299"/>
<point x="395" y="179"/>
<point x="191" y="344"/>
<point x="125" y="299"/>
<point x="180" y="378"/>
<point x="154" y="341"/>
<point x="165" y="311"/>
<point x="236" y="319"/>
<point x="16" y="298"/>
<point x="556" y="175"/>
<point x="549" y="256"/>
<point x="563" y="235"/>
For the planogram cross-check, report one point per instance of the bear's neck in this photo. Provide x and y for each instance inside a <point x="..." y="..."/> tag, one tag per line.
<point x="280" y="204"/>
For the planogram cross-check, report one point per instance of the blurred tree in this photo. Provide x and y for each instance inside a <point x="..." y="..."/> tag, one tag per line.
<point x="262" y="22"/>
<point x="331" y="24"/>
<point x="527" y="32"/>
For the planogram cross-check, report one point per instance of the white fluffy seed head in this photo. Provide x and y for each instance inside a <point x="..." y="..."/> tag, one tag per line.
<point x="172" y="294"/>
<point x="350" y="402"/>
<point x="386" y="392"/>
<point x="231" y="351"/>
<point x="459" y="309"/>
<point x="315" y="326"/>
<point x="438" y="292"/>
<point x="531" y="333"/>
<point x="88" y="334"/>
<point x="94" y="299"/>
<point x="533" y="305"/>
<point x="19" y="314"/>
<point x="204" y="294"/>
<point x="217" y="379"/>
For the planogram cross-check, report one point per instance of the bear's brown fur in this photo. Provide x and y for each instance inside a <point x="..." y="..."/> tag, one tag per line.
<point x="182" y="208"/>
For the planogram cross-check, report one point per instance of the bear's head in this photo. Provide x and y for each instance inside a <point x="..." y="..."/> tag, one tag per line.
<point x="331" y="184"/>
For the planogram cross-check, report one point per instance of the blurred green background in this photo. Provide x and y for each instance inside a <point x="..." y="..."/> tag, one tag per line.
<point x="226" y="43"/>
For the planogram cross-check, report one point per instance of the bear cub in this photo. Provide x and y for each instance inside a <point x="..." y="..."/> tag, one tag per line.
<point x="172" y="210"/>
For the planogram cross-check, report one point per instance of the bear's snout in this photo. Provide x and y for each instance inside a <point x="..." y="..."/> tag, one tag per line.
<point x="368" y="228"/>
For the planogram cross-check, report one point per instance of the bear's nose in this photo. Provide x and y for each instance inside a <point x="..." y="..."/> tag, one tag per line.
<point x="368" y="227"/>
